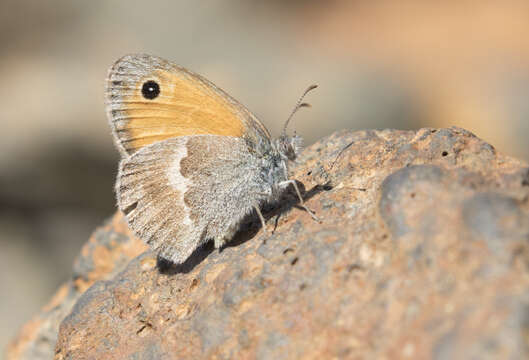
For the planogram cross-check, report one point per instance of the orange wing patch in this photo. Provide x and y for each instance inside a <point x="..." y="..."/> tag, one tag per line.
<point x="150" y="100"/>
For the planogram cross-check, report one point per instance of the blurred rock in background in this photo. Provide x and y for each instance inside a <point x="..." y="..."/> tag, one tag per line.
<point x="384" y="64"/>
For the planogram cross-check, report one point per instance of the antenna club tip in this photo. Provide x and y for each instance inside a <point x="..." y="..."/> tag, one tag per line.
<point x="310" y="88"/>
<point x="299" y="105"/>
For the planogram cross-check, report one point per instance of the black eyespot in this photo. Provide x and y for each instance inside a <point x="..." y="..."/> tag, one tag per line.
<point x="150" y="89"/>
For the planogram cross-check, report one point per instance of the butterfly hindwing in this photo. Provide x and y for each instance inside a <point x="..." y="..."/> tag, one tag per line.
<point x="167" y="190"/>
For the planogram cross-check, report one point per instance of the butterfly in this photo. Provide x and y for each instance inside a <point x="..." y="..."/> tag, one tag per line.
<point x="194" y="161"/>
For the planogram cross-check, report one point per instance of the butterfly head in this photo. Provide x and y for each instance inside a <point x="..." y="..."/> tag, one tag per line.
<point x="289" y="146"/>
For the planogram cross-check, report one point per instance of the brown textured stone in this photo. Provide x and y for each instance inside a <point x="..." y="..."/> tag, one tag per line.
<point x="106" y="253"/>
<point x="422" y="252"/>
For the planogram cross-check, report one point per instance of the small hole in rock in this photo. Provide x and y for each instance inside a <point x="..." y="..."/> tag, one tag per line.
<point x="294" y="261"/>
<point x="130" y="208"/>
<point x="194" y="283"/>
<point x="287" y="250"/>
<point x="310" y="172"/>
<point x="412" y="195"/>
<point x="354" y="267"/>
<point x="444" y="153"/>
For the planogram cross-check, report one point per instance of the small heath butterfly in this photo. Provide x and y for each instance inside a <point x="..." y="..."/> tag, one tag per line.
<point x="195" y="162"/>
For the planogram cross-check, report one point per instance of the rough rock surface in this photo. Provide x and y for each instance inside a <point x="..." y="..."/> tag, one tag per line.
<point x="107" y="252"/>
<point x="421" y="252"/>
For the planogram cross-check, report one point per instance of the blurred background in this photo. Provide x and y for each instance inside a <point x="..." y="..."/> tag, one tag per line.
<point x="399" y="64"/>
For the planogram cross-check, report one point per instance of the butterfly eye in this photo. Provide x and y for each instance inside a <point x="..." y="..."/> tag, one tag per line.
<point x="150" y="89"/>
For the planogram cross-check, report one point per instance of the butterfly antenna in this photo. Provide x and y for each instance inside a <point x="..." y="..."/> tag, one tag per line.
<point x="298" y="106"/>
<point x="340" y="154"/>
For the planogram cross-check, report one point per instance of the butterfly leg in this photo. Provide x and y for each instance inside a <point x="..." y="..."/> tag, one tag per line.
<point x="301" y="201"/>
<point x="293" y="182"/>
<point x="261" y="218"/>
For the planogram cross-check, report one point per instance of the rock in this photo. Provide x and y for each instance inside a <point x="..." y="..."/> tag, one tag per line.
<point x="421" y="252"/>
<point x="106" y="254"/>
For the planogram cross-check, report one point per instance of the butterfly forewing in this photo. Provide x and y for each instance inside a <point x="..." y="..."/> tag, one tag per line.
<point x="150" y="99"/>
